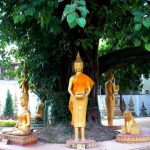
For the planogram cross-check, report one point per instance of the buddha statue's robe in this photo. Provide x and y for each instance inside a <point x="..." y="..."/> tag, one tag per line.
<point x="110" y="101"/>
<point x="78" y="106"/>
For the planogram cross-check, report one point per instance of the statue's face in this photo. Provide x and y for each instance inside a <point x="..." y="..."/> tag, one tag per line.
<point x="127" y="116"/>
<point x="78" y="67"/>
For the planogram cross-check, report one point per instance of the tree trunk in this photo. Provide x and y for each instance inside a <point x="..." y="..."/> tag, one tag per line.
<point x="92" y="70"/>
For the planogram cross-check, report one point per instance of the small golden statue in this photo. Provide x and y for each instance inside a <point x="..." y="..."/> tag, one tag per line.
<point x="80" y="86"/>
<point x="110" y="97"/>
<point x="131" y="127"/>
<point x="40" y="112"/>
<point x="23" y="124"/>
<point x="24" y="86"/>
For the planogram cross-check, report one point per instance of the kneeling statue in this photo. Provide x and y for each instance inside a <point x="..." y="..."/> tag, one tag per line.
<point x="39" y="116"/>
<point x="23" y="124"/>
<point x="131" y="127"/>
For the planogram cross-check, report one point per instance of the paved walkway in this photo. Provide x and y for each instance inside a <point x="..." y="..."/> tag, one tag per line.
<point x="107" y="145"/>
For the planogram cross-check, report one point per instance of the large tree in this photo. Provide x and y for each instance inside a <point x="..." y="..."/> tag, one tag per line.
<point x="49" y="45"/>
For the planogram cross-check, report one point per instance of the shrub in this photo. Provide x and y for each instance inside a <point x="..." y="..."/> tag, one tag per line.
<point x="7" y="123"/>
<point x="59" y="112"/>
<point x="8" y="109"/>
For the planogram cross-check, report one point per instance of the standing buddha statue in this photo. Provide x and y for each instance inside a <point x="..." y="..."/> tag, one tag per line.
<point x="80" y="86"/>
<point x="110" y="98"/>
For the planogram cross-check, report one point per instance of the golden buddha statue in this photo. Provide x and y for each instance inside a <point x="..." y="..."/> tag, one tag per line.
<point x="40" y="112"/>
<point x="24" y="84"/>
<point x="23" y="124"/>
<point x="131" y="127"/>
<point x="24" y="87"/>
<point x="79" y="88"/>
<point x="110" y="98"/>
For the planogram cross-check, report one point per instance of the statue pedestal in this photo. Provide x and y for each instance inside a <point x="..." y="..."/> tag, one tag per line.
<point x="134" y="138"/>
<point x="115" y="127"/>
<point x="88" y="143"/>
<point x="19" y="140"/>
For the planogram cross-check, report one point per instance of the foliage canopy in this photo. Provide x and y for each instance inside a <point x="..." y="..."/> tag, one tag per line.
<point x="48" y="34"/>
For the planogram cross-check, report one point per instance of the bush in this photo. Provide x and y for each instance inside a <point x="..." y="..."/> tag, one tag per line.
<point x="8" y="109"/>
<point x="59" y="112"/>
<point x="7" y="123"/>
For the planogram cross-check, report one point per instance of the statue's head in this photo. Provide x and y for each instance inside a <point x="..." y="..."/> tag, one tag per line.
<point x="127" y="115"/>
<point x="24" y="100"/>
<point x="110" y="75"/>
<point x="78" y="64"/>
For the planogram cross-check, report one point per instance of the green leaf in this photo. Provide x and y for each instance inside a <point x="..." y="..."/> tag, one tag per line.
<point x="70" y="8"/>
<point x="30" y="11"/>
<point x="145" y="39"/>
<point x="146" y="22"/>
<point x="137" y="13"/>
<point x="35" y="3"/>
<point x="15" y="18"/>
<point x="18" y="18"/>
<point x="81" y="22"/>
<point x="81" y="2"/>
<point x="147" y="46"/>
<point x="138" y="27"/>
<point x="72" y="24"/>
<point x="23" y="6"/>
<point x="137" y="19"/>
<point x="137" y="42"/>
<point x="113" y="1"/>
<point x="71" y="17"/>
<point x="83" y="10"/>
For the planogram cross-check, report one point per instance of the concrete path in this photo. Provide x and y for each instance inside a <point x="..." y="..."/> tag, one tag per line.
<point x="107" y="145"/>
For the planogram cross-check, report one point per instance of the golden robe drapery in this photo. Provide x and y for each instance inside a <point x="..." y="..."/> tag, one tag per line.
<point x="78" y="106"/>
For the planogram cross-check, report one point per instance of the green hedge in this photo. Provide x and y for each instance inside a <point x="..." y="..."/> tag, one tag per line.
<point x="7" y="123"/>
<point x="59" y="108"/>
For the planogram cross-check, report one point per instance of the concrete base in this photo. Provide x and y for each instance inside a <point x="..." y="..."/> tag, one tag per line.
<point x="115" y="127"/>
<point x="20" y="140"/>
<point x="88" y="143"/>
<point x="134" y="138"/>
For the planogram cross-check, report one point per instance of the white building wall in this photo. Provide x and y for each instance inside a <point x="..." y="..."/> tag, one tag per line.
<point x="146" y="86"/>
<point x="13" y="87"/>
<point x="137" y="100"/>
